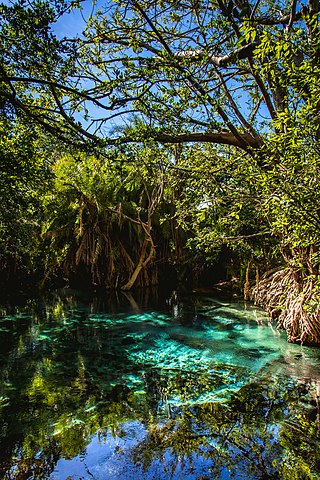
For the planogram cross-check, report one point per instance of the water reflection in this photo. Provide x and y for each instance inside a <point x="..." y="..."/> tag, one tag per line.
<point x="123" y="387"/>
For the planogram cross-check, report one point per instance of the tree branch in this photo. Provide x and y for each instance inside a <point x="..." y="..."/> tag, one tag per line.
<point x="284" y="20"/>
<point x="49" y="83"/>
<point x="153" y="27"/>
<point x="222" y="138"/>
<point x="292" y="14"/>
<point x="223" y="61"/>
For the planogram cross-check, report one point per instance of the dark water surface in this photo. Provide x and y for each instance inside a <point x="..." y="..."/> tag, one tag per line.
<point x="122" y="387"/>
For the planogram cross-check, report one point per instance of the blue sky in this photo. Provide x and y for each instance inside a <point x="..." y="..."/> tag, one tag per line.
<point x="75" y="21"/>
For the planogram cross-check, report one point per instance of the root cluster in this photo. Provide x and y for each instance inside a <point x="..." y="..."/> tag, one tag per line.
<point x="294" y="303"/>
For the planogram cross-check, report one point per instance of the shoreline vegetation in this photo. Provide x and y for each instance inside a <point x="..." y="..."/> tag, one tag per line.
<point x="277" y="293"/>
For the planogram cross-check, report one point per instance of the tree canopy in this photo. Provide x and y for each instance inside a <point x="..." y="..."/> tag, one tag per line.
<point x="204" y="71"/>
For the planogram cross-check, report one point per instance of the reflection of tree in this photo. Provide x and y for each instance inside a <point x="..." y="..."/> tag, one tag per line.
<point x="57" y="385"/>
<point x="60" y="386"/>
<point x="31" y="467"/>
<point x="266" y="431"/>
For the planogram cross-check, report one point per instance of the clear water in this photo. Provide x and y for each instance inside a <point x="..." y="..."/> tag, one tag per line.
<point x="129" y="388"/>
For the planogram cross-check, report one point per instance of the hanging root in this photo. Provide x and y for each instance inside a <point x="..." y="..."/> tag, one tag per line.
<point x="295" y="305"/>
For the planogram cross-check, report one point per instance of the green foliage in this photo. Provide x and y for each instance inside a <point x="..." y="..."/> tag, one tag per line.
<point x="230" y="74"/>
<point x="98" y="212"/>
<point x="221" y="205"/>
<point x="24" y="176"/>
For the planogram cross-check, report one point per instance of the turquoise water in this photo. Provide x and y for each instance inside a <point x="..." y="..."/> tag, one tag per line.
<point x="123" y="387"/>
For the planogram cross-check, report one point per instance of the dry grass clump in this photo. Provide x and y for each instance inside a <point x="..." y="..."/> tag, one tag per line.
<point x="295" y="304"/>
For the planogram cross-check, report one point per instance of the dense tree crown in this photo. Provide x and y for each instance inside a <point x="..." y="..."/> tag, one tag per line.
<point x="190" y="71"/>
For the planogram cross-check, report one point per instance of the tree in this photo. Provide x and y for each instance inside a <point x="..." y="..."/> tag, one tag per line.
<point x="181" y="66"/>
<point x="24" y="175"/>
<point x="102" y="217"/>
<point x="221" y="207"/>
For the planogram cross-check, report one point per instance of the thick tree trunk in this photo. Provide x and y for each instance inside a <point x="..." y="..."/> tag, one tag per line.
<point x="143" y="262"/>
<point x="145" y="257"/>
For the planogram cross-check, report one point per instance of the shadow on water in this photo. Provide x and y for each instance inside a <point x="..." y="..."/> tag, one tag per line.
<point x="153" y="387"/>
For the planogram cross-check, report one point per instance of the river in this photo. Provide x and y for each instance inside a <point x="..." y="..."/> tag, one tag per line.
<point x="153" y="386"/>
